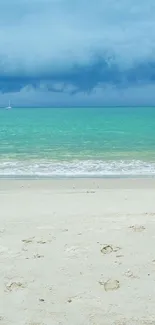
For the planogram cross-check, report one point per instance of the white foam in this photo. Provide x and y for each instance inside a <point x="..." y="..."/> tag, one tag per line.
<point x="87" y="168"/>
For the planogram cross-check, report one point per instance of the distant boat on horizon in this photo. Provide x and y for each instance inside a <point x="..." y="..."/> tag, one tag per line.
<point x="9" y="106"/>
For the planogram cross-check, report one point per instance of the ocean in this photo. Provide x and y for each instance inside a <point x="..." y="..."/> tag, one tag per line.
<point x="79" y="142"/>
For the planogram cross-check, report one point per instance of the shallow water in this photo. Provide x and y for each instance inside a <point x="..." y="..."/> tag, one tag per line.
<point x="77" y="142"/>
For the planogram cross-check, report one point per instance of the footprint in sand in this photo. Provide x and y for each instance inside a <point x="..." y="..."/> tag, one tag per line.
<point x="110" y="285"/>
<point x="64" y="230"/>
<point x="150" y="215"/>
<point x="137" y="228"/>
<point x="28" y="240"/>
<point x="38" y="256"/>
<point x="107" y="249"/>
<point x="11" y="286"/>
<point x="31" y="240"/>
<point x="129" y="274"/>
<point x="41" y="242"/>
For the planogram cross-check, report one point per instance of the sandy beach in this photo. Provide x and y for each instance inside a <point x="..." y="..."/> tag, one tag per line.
<point x="77" y="252"/>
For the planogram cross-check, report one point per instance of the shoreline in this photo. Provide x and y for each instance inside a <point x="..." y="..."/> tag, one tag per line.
<point x="43" y="177"/>
<point x="66" y="169"/>
<point x="78" y="183"/>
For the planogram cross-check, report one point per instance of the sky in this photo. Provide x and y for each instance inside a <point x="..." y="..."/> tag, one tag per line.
<point x="77" y="52"/>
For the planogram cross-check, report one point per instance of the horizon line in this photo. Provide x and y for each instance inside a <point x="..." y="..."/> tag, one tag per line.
<point x="85" y="106"/>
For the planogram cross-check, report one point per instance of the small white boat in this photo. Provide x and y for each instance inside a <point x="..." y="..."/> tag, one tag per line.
<point x="9" y="106"/>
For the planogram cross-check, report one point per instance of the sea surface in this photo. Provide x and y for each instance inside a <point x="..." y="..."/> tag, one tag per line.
<point x="79" y="142"/>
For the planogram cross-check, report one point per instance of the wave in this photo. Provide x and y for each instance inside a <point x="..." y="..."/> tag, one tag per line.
<point x="76" y="168"/>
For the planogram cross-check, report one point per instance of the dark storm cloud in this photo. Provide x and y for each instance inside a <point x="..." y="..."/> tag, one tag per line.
<point x="59" y="46"/>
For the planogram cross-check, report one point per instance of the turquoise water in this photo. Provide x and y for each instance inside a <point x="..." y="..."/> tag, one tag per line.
<point x="77" y="141"/>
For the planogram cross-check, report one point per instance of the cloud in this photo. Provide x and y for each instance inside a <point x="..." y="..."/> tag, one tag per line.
<point x="75" y="47"/>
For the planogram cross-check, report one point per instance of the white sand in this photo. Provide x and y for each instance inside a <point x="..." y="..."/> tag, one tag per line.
<point x="77" y="252"/>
